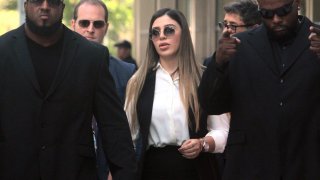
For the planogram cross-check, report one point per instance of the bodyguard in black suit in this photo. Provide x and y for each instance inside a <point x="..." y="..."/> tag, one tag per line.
<point x="271" y="87"/>
<point x="52" y="81"/>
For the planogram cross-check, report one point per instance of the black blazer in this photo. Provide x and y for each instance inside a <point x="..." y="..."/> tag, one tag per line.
<point x="274" y="130"/>
<point x="206" y="162"/>
<point x="49" y="136"/>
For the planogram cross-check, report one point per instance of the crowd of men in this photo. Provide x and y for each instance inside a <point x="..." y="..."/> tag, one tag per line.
<point x="59" y="85"/>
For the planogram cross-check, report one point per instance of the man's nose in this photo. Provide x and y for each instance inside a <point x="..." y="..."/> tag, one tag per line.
<point x="45" y="4"/>
<point x="276" y="19"/>
<point x="91" y="28"/>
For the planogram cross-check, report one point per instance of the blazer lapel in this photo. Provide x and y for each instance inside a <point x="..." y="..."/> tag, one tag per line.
<point x="23" y="57"/>
<point x="67" y="57"/>
<point x="145" y="105"/>
<point x="260" y="43"/>
<point x="297" y="48"/>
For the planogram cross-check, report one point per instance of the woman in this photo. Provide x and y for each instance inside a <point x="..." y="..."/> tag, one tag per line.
<point x="162" y="104"/>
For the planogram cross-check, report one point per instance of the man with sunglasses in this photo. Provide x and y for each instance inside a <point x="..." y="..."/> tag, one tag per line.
<point x="269" y="81"/>
<point x="239" y="16"/>
<point x="90" y="19"/>
<point x="52" y="81"/>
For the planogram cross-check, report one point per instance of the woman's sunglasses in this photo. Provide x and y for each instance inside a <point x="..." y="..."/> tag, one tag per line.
<point x="50" y="2"/>
<point x="281" y="11"/>
<point x="96" y="24"/>
<point x="167" y="31"/>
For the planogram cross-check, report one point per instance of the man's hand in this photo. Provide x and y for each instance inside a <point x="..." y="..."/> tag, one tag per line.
<point x="227" y="47"/>
<point x="315" y="40"/>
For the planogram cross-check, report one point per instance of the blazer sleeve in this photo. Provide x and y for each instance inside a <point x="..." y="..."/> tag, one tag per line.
<point x="113" y="125"/>
<point x="214" y="89"/>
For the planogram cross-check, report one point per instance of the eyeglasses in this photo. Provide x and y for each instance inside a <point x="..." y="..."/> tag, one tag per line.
<point x="50" y="2"/>
<point x="96" y="24"/>
<point x="281" y="11"/>
<point x="167" y="31"/>
<point x="233" y="27"/>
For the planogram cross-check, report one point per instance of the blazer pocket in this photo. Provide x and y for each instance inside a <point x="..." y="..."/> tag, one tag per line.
<point x="87" y="151"/>
<point x="236" y="137"/>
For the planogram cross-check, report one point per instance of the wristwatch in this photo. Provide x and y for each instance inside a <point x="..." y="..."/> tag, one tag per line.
<point x="205" y="145"/>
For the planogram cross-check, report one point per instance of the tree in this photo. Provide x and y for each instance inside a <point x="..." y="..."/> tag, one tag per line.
<point x="8" y="4"/>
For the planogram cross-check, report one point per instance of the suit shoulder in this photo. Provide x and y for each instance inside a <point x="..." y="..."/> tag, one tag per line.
<point x="122" y="65"/>
<point x="7" y="41"/>
<point x="7" y="37"/>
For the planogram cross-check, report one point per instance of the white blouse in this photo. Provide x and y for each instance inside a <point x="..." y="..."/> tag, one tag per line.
<point x="169" y="123"/>
<point x="218" y="127"/>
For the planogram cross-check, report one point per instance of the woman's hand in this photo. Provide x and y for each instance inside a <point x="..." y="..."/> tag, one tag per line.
<point x="191" y="148"/>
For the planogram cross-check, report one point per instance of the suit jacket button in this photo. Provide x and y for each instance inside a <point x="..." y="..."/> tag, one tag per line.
<point x="43" y="147"/>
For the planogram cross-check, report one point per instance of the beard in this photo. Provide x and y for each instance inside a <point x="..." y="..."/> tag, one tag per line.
<point x="43" y="30"/>
<point x="281" y="33"/>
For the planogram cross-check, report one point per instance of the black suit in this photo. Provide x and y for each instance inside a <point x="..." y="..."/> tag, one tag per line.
<point x="208" y="60"/>
<point x="274" y="130"/>
<point x="49" y="136"/>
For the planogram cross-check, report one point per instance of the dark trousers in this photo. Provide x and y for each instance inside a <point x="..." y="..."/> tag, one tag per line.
<point x="168" y="164"/>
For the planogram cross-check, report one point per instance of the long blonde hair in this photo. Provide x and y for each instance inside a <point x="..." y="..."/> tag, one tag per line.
<point x="189" y="71"/>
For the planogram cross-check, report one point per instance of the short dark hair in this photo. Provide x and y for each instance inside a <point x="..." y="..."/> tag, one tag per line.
<point x="246" y="9"/>
<point x="123" y="44"/>
<point x="93" y="2"/>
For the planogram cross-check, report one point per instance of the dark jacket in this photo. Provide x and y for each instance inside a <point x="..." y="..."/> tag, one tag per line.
<point x="121" y="72"/>
<point x="49" y="136"/>
<point x="275" y="113"/>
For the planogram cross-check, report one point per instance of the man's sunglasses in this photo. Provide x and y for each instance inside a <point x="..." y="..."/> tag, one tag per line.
<point x="96" y="24"/>
<point x="50" y="2"/>
<point x="167" y="31"/>
<point x="281" y="11"/>
<point x="233" y="27"/>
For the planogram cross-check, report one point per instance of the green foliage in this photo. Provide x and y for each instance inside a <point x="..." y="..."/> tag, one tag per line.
<point x="68" y="11"/>
<point x="8" y="4"/>
<point x="9" y="20"/>
<point x="121" y="22"/>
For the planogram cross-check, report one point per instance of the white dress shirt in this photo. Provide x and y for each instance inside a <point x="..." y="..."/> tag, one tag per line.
<point x="169" y="123"/>
<point x="218" y="127"/>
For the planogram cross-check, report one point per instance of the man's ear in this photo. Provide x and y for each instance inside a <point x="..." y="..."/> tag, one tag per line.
<point x="25" y="5"/>
<point x="107" y="26"/>
<point x="73" y="23"/>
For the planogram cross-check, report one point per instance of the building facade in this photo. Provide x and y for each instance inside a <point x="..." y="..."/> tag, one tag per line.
<point x="203" y="17"/>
